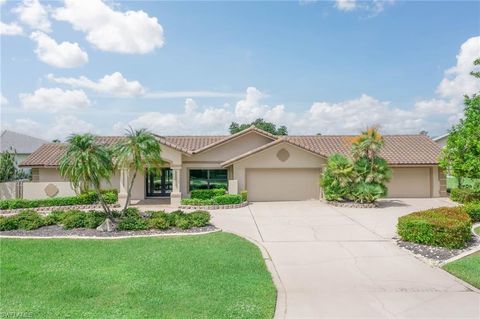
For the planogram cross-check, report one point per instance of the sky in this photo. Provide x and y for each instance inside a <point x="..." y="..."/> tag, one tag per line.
<point x="185" y="68"/>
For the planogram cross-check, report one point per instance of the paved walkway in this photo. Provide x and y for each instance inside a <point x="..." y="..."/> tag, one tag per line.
<point x="341" y="262"/>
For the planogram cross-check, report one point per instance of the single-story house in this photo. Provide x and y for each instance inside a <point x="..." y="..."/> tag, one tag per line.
<point x="20" y="144"/>
<point x="441" y="140"/>
<point x="269" y="167"/>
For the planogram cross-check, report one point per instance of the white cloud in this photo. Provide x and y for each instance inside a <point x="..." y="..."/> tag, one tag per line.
<point x="54" y="100"/>
<point x="10" y="29"/>
<point x="110" y="30"/>
<point x="3" y="100"/>
<point x="345" y="5"/>
<point x="63" y="55"/>
<point x="114" y="84"/>
<point x="185" y="94"/>
<point x="190" y="106"/>
<point x="59" y="128"/>
<point x="33" y="14"/>
<point x="458" y="80"/>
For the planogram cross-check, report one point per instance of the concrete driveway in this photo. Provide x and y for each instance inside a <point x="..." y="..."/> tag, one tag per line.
<point x="342" y="263"/>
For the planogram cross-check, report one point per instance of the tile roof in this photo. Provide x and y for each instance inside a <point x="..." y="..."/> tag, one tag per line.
<point x="21" y="143"/>
<point x="398" y="149"/>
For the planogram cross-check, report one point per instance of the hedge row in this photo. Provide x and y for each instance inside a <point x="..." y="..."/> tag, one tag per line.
<point x="444" y="226"/>
<point x="465" y="195"/>
<point x="110" y="196"/>
<point x="131" y="220"/>
<point x="207" y="197"/>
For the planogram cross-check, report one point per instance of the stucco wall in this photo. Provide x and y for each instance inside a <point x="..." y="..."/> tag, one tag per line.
<point x="298" y="158"/>
<point x="36" y="190"/>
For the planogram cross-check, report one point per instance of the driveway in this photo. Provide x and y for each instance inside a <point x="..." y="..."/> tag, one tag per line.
<point x="342" y="263"/>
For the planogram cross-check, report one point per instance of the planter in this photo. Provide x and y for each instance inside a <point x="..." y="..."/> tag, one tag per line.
<point x="352" y="204"/>
<point x="213" y="207"/>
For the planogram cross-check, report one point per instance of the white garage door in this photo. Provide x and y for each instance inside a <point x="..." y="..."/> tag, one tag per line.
<point x="283" y="184"/>
<point x="409" y="182"/>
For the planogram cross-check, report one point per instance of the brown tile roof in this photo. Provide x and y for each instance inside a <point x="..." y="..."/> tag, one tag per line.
<point x="398" y="149"/>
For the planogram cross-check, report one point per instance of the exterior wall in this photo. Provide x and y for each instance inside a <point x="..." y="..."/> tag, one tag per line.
<point x="233" y="148"/>
<point x="8" y="190"/>
<point x="298" y="158"/>
<point x="36" y="190"/>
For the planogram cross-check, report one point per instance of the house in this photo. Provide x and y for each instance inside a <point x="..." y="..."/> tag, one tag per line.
<point x="441" y="140"/>
<point x="269" y="167"/>
<point x="22" y="144"/>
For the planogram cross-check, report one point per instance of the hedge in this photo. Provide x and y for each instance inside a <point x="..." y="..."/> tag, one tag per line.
<point x="131" y="220"/>
<point x="206" y="193"/>
<point x="444" y="226"/>
<point x="227" y="199"/>
<point x="473" y="210"/>
<point x="110" y="196"/>
<point x="465" y="195"/>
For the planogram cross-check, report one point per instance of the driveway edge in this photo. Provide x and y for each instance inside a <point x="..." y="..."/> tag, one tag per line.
<point x="281" y="303"/>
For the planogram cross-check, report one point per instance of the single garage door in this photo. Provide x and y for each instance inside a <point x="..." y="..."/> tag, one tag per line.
<point x="283" y="184"/>
<point x="410" y="182"/>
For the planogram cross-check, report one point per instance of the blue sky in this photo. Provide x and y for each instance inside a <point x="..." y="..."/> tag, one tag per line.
<point x="326" y="66"/>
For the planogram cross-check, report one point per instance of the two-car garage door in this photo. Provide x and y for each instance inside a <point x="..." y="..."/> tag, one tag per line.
<point x="410" y="182"/>
<point x="283" y="184"/>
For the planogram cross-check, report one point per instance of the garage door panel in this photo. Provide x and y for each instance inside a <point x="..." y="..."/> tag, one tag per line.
<point x="283" y="184"/>
<point x="409" y="182"/>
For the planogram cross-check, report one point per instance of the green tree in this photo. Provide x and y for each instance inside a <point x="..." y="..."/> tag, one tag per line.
<point x="260" y="124"/>
<point x="337" y="177"/>
<point x="139" y="151"/>
<point x="461" y="155"/>
<point x="476" y="73"/>
<point x="86" y="163"/>
<point x="7" y="166"/>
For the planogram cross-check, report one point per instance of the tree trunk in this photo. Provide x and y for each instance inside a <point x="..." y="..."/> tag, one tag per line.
<point x="129" y="191"/>
<point x="105" y="207"/>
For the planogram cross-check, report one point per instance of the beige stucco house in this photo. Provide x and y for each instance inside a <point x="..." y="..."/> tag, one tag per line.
<point x="269" y="167"/>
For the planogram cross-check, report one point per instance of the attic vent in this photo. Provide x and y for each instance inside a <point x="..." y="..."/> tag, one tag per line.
<point x="283" y="155"/>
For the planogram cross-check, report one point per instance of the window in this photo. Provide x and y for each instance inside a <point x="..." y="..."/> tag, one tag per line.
<point x="208" y="178"/>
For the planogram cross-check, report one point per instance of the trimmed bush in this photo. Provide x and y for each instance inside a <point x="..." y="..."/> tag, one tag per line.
<point x="159" y="220"/>
<point x="244" y="195"/>
<point x="26" y="220"/>
<point x="174" y="216"/>
<point x="73" y="219"/>
<point x="227" y="199"/>
<point x="132" y="223"/>
<point x="183" y="222"/>
<point x="7" y="223"/>
<point x="445" y="226"/>
<point x="206" y="193"/>
<point x="199" y="218"/>
<point x="110" y="196"/>
<point x="465" y="195"/>
<point x="197" y="202"/>
<point x="473" y="210"/>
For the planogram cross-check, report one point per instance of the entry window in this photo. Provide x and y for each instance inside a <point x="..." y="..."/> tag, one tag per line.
<point x="208" y="178"/>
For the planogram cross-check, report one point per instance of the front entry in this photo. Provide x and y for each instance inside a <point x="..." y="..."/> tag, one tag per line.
<point x="159" y="184"/>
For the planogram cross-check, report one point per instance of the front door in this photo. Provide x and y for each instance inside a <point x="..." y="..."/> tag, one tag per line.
<point x="159" y="184"/>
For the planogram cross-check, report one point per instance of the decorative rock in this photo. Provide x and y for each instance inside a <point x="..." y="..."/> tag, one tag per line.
<point x="107" y="225"/>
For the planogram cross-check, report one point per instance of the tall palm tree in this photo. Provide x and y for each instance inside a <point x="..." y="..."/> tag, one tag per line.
<point x="367" y="144"/>
<point x="139" y="151"/>
<point x="86" y="163"/>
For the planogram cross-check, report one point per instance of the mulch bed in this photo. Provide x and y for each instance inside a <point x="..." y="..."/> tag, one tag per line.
<point x="58" y="231"/>
<point x="436" y="255"/>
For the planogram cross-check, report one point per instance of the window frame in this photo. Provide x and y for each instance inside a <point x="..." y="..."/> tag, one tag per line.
<point x="208" y="176"/>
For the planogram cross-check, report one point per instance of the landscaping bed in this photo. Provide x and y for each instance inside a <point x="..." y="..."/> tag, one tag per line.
<point x="81" y="223"/>
<point x="214" y="199"/>
<point x="352" y="204"/>
<point x="217" y="275"/>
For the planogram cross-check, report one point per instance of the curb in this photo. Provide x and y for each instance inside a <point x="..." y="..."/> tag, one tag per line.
<point x="214" y="207"/>
<point x="113" y="238"/>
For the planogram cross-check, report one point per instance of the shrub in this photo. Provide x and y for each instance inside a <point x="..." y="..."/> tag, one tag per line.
<point x="159" y="222"/>
<point x="54" y="217"/>
<point x="473" y="210"/>
<point x="93" y="219"/>
<point x="132" y="220"/>
<point x="199" y="218"/>
<point x="174" y="216"/>
<point x="87" y="198"/>
<point x="207" y="193"/>
<point x="197" y="202"/>
<point x="8" y="223"/>
<point x="27" y="220"/>
<point x="367" y="192"/>
<point x="465" y="195"/>
<point x="244" y="195"/>
<point x="73" y="219"/>
<point x="227" y="199"/>
<point x="445" y="226"/>
<point x="183" y="222"/>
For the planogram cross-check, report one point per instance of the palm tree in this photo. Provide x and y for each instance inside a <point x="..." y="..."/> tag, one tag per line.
<point x="139" y="151"/>
<point x="86" y="163"/>
<point x="367" y="144"/>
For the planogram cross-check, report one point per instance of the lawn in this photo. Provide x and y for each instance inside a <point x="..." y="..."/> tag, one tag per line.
<point x="477" y="230"/>
<point x="218" y="275"/>
<point x="466" y="268"/>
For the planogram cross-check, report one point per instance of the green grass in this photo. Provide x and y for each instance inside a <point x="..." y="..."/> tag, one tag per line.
<point x="208" y="276"/>
<point x="477" y="230"/>
<point x="466" y="268"/>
